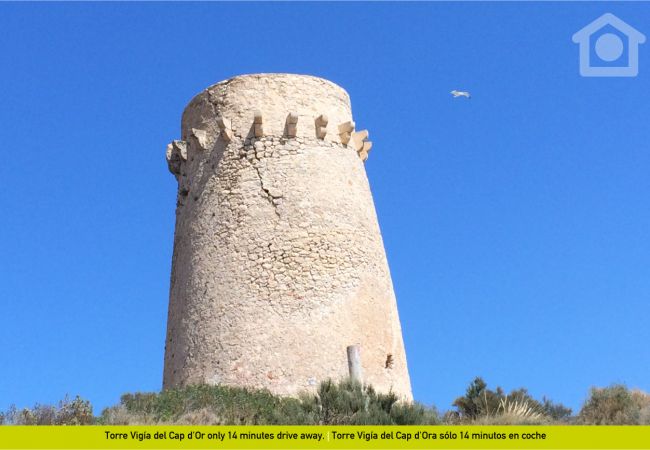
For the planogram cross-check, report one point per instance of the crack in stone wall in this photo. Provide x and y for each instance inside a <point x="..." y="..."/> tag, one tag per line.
<point x="273" y="200"/>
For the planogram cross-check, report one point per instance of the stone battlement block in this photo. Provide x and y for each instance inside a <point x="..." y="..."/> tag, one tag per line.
<point x="292" y="125"/>
<point x="176" y="154"/>
<point x="201" y="137"/>
<point x="225" y="126"/>
<point x="321" y="126"/>
<point x="358" y="138"/>
<point x="345" y="131"/>
<point x="365" y="149"/>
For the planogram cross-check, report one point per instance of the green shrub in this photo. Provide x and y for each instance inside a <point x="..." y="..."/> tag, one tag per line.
<point x="214" y="404"/>
<point x="556" y="411"/>
<point x="350" y="403"/>
<point x="478" y="400"/>
<point x="483" y="406"/>
<point x="615" y="405"/>
<point x="334" y="403"/>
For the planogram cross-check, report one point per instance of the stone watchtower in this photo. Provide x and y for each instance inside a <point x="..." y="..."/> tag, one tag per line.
<point x="278" y="261"/>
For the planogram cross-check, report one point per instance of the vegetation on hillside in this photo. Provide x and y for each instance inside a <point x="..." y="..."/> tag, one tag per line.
<point x="615" y="405"/>
<point x="68" y="412"/>
<point x="343" y="403"/>
<point x="483" y="406"/>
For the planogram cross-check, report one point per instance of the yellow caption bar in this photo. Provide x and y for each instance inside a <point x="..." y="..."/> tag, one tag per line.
<point x="325" y="437"/>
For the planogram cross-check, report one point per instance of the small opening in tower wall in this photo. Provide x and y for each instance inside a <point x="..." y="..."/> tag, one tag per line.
<point x="389" y="361"/>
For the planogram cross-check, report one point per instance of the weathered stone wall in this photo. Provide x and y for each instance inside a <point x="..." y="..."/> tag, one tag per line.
<point x="278" y="260"/>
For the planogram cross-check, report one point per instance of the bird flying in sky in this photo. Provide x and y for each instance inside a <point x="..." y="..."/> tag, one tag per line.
<point x="457" y="94"/>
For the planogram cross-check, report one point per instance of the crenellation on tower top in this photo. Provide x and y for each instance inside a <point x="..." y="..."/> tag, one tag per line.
<point x="257" y="124"/>
<point x="291" y="127"/>
<point x="321" y="126"/>
<point x="175" y="154"/>
<point x="345" y="131"/>
<point x="225" y="128"/>
<point x="201" y="138"/>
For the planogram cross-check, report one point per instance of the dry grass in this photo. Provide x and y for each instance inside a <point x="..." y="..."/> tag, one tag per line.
<point x="521" y="409"/>
<point x="119" y="415"/>
<point x="512" y="411"/>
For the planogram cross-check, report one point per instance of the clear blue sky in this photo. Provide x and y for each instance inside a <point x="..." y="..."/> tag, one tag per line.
<point x="516" y="223"/>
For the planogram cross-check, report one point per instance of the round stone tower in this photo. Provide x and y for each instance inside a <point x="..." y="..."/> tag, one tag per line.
<point x="278" y="261"/>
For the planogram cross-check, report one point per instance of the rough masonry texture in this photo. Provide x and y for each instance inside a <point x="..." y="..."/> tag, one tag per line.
<point x="278" y="261"/>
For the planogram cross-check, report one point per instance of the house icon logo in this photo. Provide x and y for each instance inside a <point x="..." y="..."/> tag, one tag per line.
<point x="609" y="47"/>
